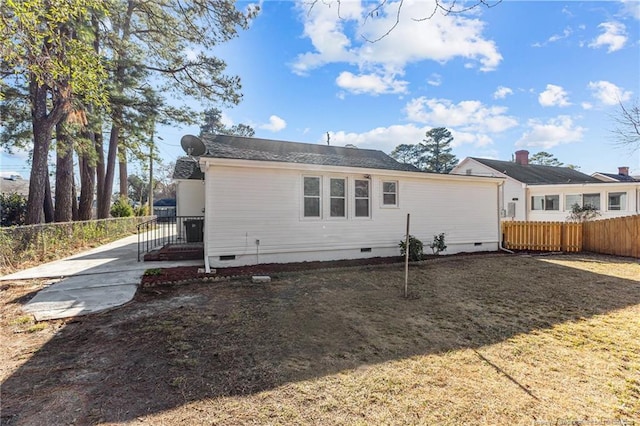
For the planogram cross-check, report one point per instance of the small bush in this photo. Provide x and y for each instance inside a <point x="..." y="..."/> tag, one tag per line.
<point x="143" y="210"/>
<point x="13" y="209"/>
<point x="415" y="249"/>
<point x="583" y="214"/>
<point x="121" y="208"/>
<point x="438" y="243"/>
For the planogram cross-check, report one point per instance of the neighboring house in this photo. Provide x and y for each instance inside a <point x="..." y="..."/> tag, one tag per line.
<point x="622" y="176"/>
<point x="269" y="201"/>
<point x="164" y="208"/>
<point x="547" y="193"/>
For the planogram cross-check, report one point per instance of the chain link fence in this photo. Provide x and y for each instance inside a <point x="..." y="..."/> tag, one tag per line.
<point x="24" y="246"/>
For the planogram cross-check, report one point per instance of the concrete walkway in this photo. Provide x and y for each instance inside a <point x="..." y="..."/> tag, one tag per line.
<point x="90" y="282"/>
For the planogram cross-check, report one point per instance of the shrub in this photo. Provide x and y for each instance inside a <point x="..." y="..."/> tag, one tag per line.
<point x="13" y="209"/>
<point x="415" y="248"/>
<point x="143" y="210"/>
<point x="121" y="208"/>
<point x="438" y="244"/>
<point x="582" y="214"/>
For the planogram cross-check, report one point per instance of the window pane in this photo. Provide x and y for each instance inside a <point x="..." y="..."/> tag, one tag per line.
<point x="592" y="200"/>
<point x="337" y="187"/>
<point x="312" y="207"/>
<point x="362" y="188"/>
<point x="362" y="207"/>
<point x="571" y="200"/>
<point x="537" y="203"/>
<point x="552" y="202"/>
<point x="337" y="207"/>
<point x="388" y="187"/>
<point x="617" y="201"/>
<point x="389" y="199"/>
<point x="312" y="186"/>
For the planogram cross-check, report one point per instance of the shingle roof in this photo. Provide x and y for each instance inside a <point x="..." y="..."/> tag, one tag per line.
<point x="235" y="147"/>
<point x="534" y="174"/>
<point x="187" y="168"/>
<point x="620" y="178"/>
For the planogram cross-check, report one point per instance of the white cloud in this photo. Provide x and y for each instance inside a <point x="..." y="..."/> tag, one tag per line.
<point x="608" y="93"/>
<point x="554" y="96"/>
<point x="434" y="80"/>
<point x="370" y="83"/>
<point x="469" y="116"/>
<point x="614" y="36"/>
<point x="555" y="37"/>
<point x="556" y="131"/>
<point x="387" y="138"/>
<point x="275" y="124"/>
<point x="341" y="37"/>
<point x="586" y="105"/>
<point x="631" y="8"/>
<point x="502" y="92"/>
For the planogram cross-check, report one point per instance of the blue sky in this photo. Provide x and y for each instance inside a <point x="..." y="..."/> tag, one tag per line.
<point x="541" y="76"/>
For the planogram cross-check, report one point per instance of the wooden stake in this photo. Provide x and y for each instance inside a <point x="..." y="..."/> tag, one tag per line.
<point x="406" y="261"/>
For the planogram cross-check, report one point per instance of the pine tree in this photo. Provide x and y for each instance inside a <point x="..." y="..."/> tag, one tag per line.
<point x="436" y="151"/>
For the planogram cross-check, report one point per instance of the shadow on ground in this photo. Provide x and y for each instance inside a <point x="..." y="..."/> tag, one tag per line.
<point x="174" y="345"/>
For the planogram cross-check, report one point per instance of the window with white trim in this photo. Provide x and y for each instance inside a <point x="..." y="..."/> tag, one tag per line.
<point x="362" y="198"/>
<point x="390" y="193"/>
<point x="582" y="200"/>
<point x="312" y="197"/>
<point x="617" y="201"/>
<point x="545" y="202"/>
<point x="338" y="197"/>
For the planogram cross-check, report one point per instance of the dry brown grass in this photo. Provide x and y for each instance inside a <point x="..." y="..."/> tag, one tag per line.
<point x="488" y="340"/>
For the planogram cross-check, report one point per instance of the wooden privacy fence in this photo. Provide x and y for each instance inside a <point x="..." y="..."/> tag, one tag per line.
<point x="542" y="236"/>
<point x="618" y="236"/>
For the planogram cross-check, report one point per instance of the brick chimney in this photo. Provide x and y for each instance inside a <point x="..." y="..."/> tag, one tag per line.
<point x="522" y="157"/>
<point x="624" y="171"/>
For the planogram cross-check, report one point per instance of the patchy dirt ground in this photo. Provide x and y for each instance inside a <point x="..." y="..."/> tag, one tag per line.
<point x="484" y="340"/>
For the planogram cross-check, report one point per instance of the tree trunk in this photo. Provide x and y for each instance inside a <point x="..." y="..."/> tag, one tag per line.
<point x="100" y="175"/>
<point x="48" y="203"/>
<point x="42" y="125"/>
<point x="64" y="175"/>
<point x="122" y="168"/>
<point x="107" y="187"/>
<point x="87" y="185"/>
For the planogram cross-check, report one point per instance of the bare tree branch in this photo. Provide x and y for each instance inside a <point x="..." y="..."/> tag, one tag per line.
<point x="627" y="130"/>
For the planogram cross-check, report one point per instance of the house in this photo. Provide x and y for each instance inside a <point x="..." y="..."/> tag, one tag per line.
<point x="622" y="176"/>
<point x="268" y="201"/>
<point x="14" y="184"/>
<point x="547" y="193"/>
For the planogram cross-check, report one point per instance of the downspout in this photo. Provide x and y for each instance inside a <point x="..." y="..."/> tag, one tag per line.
<point x="498" y="188"/>
<point x="207" y="266"/>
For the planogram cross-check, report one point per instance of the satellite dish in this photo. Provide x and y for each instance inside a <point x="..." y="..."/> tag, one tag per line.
<point x="192" y="145"/>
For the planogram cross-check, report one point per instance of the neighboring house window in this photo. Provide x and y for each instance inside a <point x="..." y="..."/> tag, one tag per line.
<point x="582" y="200"/>
<point x="337" y="189"/>
<point x="390" y="193"/>
<point x="617" y="201"/>
<point x="362" y="198"/>
<point x="312" y="197"/>
<point x="545" y="202"/>
<point x="468" y="172"/>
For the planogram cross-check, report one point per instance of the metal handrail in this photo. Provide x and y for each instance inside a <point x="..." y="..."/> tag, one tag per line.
<point x="162" y="231"/>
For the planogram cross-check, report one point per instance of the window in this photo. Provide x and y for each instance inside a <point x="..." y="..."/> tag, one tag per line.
<point x="389" y="193"/>
<point x="582" y="200"/>
<point x="617" y="201"/>
<point x="311" y="197"/>
<point x="592" y="200"/>
<point x="362" y="198"/>
<point x="545" y="202"/>
<point x="338" y="198"/>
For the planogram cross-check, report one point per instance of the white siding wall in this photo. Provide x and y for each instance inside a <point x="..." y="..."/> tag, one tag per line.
<point x="630" y="208"/>
<point x="245" y="205"/>
<point x="190" y="198"/>
<point x="511" y="188"/>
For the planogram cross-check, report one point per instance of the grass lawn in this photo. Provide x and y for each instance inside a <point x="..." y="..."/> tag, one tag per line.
<point x="484" y="340"/>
